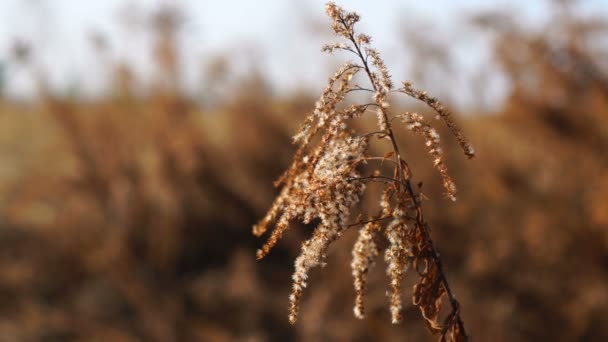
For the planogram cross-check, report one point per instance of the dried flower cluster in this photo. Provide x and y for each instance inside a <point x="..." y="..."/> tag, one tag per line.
<point x="327" y="180"/>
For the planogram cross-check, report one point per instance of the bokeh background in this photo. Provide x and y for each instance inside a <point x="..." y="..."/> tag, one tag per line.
<point x="139" y="141"/>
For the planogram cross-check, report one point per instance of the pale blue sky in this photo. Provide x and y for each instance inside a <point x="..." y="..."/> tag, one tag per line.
<point x="283" y="36"/>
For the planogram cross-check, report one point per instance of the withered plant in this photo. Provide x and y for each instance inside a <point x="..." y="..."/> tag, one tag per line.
<point x="331" y="170"/>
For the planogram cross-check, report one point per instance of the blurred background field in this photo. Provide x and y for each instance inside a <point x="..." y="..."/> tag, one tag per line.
<point x="132" y="171"/>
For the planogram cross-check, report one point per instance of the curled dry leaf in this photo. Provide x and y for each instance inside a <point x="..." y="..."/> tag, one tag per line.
<point x="428" y="296"/>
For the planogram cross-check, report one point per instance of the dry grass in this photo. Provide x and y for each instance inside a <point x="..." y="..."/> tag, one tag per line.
<point x="325" y="184"/>
<point x="126" y="219"/>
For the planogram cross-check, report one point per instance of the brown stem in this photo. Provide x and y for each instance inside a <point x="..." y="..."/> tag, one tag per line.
<point x="380" y="134"/>
<point x="382" y="159"/>
<point x="405" y="180"/>
<point x="370" y="221"/>
<point x="384" y="179"/>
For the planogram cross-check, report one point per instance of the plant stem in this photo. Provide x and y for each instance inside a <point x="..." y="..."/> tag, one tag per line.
<point x="423" y="227"/>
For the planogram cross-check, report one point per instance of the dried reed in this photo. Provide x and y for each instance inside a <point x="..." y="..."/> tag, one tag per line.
<point x="326" y="182"/>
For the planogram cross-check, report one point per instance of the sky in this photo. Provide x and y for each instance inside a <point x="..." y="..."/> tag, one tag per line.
<point x="281" y="37"/>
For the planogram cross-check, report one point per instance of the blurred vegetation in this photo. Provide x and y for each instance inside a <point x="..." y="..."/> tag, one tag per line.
<point x="128" y="218"/>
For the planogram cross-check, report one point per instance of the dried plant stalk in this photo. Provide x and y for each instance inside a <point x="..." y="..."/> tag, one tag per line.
<point x="327" y="180"/>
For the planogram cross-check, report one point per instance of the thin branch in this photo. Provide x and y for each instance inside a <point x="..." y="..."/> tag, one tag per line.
<point x="359" y="88"/>
<point x="369" y="221"/>
<point x="383" y="179"/>
<point x="383" y="159"/>
<point x="381" y="134"/>
<point x="405" y="180"/>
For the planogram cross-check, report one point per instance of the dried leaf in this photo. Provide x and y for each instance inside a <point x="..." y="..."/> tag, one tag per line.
<point x="428" y="296"/>
<point x="387" y="156"/>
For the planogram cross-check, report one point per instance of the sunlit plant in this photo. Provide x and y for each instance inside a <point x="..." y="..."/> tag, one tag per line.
<point x="332" y="168"/>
